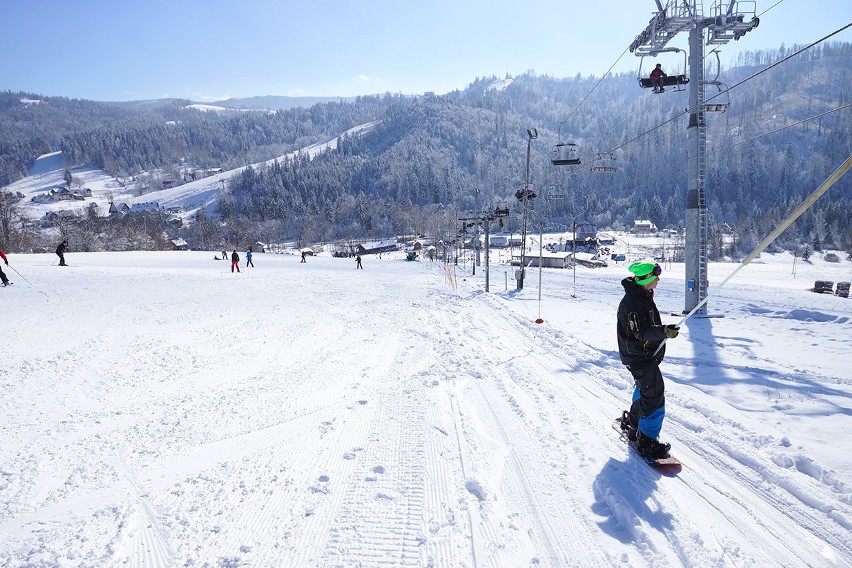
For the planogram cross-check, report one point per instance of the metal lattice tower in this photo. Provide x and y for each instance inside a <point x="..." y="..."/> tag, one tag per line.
<point x="696" y="199"/>
<point x="728" y="19"/>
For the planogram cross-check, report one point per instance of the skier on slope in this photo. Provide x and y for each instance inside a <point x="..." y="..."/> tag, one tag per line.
<point x="3" y="274"/>
<point x="640" y="333"/>
<point x="235" y="261"/>
<point x="60" y="252"/>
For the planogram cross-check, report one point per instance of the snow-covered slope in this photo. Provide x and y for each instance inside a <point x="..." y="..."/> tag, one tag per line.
<point x="159" y="410"/>
<point x="48" y="172"/>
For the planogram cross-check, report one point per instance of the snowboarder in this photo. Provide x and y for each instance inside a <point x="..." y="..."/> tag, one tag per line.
<point x="640" y="333"/>
<point x="656" y="77"/>
<point x="235" y="261"/>
<point x="60" y="252"/>
<point x="224" y="255"/>
<point x="304" y="254"/>
<point x="3" y="274"/>
<point x="248" y="258"/>
<point x="358" y="262"/>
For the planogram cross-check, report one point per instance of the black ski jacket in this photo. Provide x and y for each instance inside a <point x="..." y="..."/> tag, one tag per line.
<point x="640" y="330"/>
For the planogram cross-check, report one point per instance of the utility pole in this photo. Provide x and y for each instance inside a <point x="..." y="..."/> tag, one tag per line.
<point x="728" y="19"/>
<point x="486" y="218"/>
<point x="525" y="196"/>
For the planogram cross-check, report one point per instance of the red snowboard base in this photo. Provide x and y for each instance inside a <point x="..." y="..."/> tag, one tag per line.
<point x="668" y="466"/>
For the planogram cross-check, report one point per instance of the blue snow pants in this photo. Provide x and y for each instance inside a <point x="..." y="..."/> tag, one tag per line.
<point x="649" y="401"/>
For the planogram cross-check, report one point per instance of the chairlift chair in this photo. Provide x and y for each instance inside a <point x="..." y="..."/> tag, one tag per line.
<point x="718" y="106"/>
<point x="566" y="154"/>
<point x="671" y="80"/>
<point x="604" y="163"/>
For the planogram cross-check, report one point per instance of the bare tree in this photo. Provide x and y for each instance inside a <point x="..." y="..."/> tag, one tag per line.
<point x="8" y="214"/>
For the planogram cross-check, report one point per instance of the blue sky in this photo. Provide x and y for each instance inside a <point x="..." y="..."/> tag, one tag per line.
<point x="207" y="50"/>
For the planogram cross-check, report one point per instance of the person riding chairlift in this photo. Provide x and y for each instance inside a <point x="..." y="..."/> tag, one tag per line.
<point x="657" y="76"/>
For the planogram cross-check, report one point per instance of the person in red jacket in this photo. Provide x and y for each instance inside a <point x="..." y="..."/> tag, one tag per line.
<point x="657" y="78"/>
<point x="3" y="274"/>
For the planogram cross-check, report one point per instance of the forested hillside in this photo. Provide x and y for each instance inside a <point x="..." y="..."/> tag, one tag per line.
<point x="431" y="157"/>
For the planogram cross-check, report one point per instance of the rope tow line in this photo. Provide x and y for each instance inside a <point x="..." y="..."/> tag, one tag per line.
<point x="817" y="193"/>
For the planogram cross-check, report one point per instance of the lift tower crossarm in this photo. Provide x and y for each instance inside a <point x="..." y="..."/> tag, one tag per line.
<point x="729" y="19"/>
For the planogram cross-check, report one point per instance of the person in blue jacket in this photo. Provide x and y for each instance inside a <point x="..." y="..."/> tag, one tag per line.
<point x="248" y="258"/>
<point x="640" y="333"/>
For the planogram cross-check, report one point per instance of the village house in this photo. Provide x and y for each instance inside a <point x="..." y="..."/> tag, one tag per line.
<point x="643" y="227"/>
<point x="52" y="217"/>
<point x="118" y="210"/>
<point x="376" y="247"/>
<point x="145" y="208"/>
<point x="179" y="244"/>
<point x="548" y="259"/>
<point x="62" y="193"/>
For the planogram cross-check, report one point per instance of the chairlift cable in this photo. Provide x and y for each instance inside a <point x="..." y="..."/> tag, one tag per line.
<point x="612" y="130"/>
<point x="791" y="218"/>
<point x="774" y="5"/>
<point x="595" y="86"/>
<point x="820" y="115"/>
<point x="780" y="61"/>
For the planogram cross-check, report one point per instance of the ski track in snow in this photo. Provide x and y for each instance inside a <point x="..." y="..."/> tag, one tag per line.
<point x="184" y="424"/>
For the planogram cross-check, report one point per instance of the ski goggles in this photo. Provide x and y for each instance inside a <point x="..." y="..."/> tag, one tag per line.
<point x="642" y="280"/>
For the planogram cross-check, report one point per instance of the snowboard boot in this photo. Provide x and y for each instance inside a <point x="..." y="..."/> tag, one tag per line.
<point x="651" y="448"/>
<point x="628" y="428"/>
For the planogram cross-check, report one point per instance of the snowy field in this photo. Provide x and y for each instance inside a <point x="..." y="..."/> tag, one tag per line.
<point x="160" y="411"/>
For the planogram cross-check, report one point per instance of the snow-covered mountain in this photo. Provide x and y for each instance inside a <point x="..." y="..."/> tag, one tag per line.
<point x="48" y="173"/>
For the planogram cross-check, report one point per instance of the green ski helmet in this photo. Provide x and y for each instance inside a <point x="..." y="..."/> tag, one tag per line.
<point x="645" y="271"/>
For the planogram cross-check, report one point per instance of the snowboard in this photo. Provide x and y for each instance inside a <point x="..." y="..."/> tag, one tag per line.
<point x="668" y="466"/>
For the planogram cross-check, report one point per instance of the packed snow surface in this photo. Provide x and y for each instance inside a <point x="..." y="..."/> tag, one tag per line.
<point x="159" y="410"/>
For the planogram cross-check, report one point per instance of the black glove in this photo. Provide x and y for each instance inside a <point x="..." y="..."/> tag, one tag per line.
<point x="672" y="331"/>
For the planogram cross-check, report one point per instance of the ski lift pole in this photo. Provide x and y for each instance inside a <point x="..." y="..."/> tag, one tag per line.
<point x="540" y="254"/>
<point x="21" y="275"/>
<point x="574" y="258"/>
<point x="806" y="204"/>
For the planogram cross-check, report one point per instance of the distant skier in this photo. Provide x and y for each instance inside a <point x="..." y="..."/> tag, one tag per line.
<point x="304" y="254"/>
<point x="640" y="332"/>
<point x="248" y="258"/>
<point x="224" y="255"/>
<point x="235" y="261"/>
<point x="3" y="274"/>
<point x="358" y="262"/>
<point x="60" y="252"/>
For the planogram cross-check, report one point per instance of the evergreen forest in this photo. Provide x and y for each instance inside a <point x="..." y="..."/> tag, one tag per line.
<point x="427" y="160"/>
